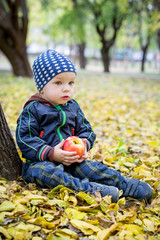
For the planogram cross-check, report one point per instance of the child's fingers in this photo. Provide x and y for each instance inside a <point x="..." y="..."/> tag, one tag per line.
<point x="84" y="140"/>
<point x="80" y="160"/>
<point x="70" y="154"/>
<point x="73" y="158"/>
<point x="60" y="145"/>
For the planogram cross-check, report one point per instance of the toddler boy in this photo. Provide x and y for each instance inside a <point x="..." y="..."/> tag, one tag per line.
<point x="48" y="118"/>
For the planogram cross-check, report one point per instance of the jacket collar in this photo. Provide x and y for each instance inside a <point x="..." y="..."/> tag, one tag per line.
<point x="35" y="97"/>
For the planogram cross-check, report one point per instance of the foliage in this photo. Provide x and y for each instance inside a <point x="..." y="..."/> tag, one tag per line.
<point x="107" y="18"/>
<point x="125" y="114"/>
<point x="73" y="21"/>
<point x="65" y="21"/>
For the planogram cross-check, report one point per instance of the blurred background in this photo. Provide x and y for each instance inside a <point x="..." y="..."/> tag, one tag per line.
<point x="116" y="36"/>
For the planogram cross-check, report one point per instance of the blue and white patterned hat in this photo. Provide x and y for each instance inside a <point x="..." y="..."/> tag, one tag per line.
<point x="49" y="64"/>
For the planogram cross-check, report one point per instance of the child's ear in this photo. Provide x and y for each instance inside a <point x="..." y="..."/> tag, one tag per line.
<point x="41" y="91"/>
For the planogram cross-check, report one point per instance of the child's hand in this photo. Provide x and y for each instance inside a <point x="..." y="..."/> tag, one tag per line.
<point x="64" y="157"/>
<point x="85" y="155"/>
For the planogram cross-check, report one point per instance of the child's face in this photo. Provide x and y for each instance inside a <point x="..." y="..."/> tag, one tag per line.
<point x="60" y="89"/>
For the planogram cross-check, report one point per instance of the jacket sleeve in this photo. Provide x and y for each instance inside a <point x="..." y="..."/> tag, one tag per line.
<point x="84" y="129"/>
<point x="27" y="135"/>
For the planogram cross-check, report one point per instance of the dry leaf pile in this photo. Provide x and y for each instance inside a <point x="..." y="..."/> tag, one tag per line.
<point x="125" y="114"/>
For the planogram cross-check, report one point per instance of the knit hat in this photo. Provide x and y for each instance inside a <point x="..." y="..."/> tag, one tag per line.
<point x="49" y="64"/>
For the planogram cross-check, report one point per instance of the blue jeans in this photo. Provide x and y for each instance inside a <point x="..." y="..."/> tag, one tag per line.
<point x="76" y="176"/>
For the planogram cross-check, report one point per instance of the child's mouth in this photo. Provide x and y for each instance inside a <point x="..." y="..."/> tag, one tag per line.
<point x="65" y="97"/>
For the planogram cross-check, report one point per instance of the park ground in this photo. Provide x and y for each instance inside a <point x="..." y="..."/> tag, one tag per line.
<point x="124" y="111"/>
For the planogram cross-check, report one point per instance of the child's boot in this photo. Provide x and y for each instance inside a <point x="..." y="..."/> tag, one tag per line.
<point x="135" y="188"/>
<point x="105" y="190"/>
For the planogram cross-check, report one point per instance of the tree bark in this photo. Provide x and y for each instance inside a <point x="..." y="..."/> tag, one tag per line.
<point x="144" y="44"/>
<point x="158" y="38"/>
<point x="13" y="33"/>
<point x="10" y="162"/>
<point x="157" y="6"/>
<point x="102" y="29"/>
<point x="144" y="53"/>
<point x="82" y="59"/>
<point x="105" y="58"/>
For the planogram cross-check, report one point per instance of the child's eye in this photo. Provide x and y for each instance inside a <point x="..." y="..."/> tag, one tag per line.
<point x="71" y="82"/>
<point x="58" y="83"/>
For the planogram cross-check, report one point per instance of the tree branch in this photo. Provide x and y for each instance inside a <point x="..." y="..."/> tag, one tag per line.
<point x="157" y="4"/>
<point x="24" y="19"/>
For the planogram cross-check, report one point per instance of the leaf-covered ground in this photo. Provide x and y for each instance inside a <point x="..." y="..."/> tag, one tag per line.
<point x="125" y="114"/>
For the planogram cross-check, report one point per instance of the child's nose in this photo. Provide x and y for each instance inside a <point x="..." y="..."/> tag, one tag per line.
<point x="66" y="88"/>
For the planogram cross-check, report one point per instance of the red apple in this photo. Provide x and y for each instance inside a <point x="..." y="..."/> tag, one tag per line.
<point x="74" y="144"/>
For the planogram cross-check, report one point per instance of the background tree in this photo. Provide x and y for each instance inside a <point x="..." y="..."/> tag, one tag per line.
<point x="108" y="17"/>
<point x="68" y="25"/>
<point x="79" y="12"/>
<point x="143" y="11"/>
<point x="157" y="9"/>
<point x="10" y="162"/>
<point x="13" y="34"/>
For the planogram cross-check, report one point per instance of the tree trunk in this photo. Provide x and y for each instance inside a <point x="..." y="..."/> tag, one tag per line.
<point x="144" y="54"/>
<point x="102" y="28"/>
<point x="16" y="55"/>
<point x="158" y="38"/>
<point x="144" y="51"/>
<point x="105" y="58"/>
<point x="157" y="5"/>
<point x="10" y="162"/>
<point x="82" y="59"/>
<point x="13" y="33"/>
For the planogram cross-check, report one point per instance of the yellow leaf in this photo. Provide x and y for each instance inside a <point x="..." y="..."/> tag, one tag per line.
<point x="64" y="194"/>
<point x="94" y="222"/>
<point x="75" y="214"/>
<point x="149" y="225"/>
<point x="108" y="164"/>
<point x="134" y="229"/>
<point x="4" y="232"/>
<point x="121" y="201"/>
<point x="58" y="202"/>
<point x="105" y="203"/>
<point x="90" y="200"/>
<point x="37" y="238"/>
<point x="22" y="231"/>
<point x="7" y="206"/>
<point x="3" y="215"/>
<point x="138" y="221"/>
<point x="73" y="200"/>
<point x="124" y="169"/>
<point x="66" y="233"/>
<point x="48" y="217"/>
<point x="64" y="220"/>
<point x="32" y="197"/>
<point x="2" y="189"/>
<point x="42" y="221"/>
<point x="85" y="227"/>
<point x="27" y="227"/>
<point x="20" y="208"/>
<point x="91" y="208"/>
<point x="108" y="158"/>
<point x="55" y="191"/>
<point x="104" y="234"/>
<point x="127" y="216"/>
<point x="154" y="144"/>
<point x="113" y="207"/>
<point x="142" y="171"/>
